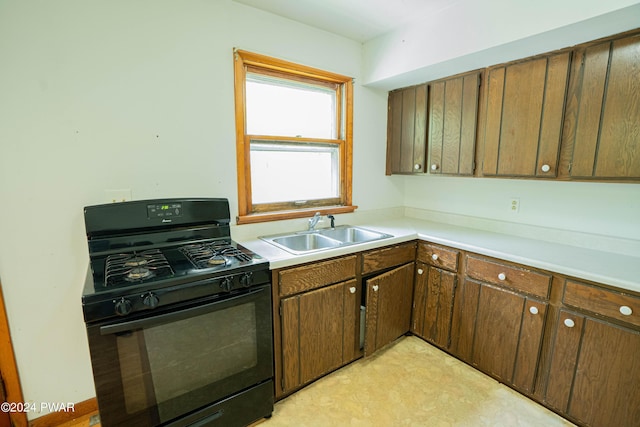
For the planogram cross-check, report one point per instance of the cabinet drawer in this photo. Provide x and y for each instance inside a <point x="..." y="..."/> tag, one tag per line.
<point x="602" y="301"/>
<point x="299" y="279"/>
<point x="438" y="256"/>
<point x="381" y="259"/>
<point x="519" y="278"/>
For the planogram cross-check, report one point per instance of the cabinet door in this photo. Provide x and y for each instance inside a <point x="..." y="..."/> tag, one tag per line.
<point x="388" y="304"/>
<point x="524" y="114"/>
<point x="606" y="137"/>
<point x="433" y="304"/>
<point x="407" y="130"/>
<point x="508" y="335"/>
<point x="594" y="372"/>
<point x="453" y="114"/>
<point x="318" y="332"/>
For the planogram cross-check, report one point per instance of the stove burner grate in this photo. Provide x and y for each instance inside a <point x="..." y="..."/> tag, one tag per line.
<point x="136" y="267"/>
<point x="214" y="255"/>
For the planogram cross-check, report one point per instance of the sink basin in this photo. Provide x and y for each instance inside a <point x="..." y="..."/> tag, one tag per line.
<point x="348" y="234"/>
<point x="306" y="242"/>
<point x="322" y="239"/>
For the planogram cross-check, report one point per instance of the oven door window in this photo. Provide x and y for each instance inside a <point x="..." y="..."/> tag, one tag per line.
<point x="180" y="361"/>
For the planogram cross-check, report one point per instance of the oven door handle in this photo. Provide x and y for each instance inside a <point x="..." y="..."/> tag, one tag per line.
<point x="172" y="316"/>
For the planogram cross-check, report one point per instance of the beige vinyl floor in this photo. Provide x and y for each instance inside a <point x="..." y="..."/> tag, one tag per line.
<point x="410" y="383"/>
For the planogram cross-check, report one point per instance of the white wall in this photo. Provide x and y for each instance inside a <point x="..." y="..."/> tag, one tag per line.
<point x="598" y="214"/>
<point x="136" y="95"/>
<point x="471" y="34"/>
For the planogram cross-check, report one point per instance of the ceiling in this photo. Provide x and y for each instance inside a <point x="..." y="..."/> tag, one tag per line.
<point x="359" y="20"/>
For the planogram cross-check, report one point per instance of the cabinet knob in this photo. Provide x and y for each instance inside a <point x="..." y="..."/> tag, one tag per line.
<point x="420" y="271"/>
<point x="375" y="288"/>
<point x="545" y="168"/>
<point x="352" y="289"/>
<point x="569" y="323"/>
<point x="625" y="310"/>
<point x="502" y="276"/>
<point x="533" y="310"/>
<point x="434" y="257"/>
<point x="417" y="166"/>
<point x="434" y="167"/>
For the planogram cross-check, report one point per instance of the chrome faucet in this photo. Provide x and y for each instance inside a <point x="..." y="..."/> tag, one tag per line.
<point x="314" y="221"/>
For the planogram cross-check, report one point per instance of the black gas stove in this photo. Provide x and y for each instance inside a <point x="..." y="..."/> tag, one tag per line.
<point x="178" y="316"/>
<point x="147" y="254"/>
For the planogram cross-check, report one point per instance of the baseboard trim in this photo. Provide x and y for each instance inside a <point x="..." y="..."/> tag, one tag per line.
<point x="53" y="419"/>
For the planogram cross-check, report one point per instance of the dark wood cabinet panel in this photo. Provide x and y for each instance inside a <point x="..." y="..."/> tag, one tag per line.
<point x="388" y="307"/>
<point x="563" y="361"/>
<point x="407" y="130"/>
<point x="523" y="121"/>
<point x="614" y="305"/>
<point x="503" y="274"/>
<point x="507" y="335"/>
<point x="463" y="325"/>
<point x="606" y="129"/>
<point x="438" y="256"/>
<point x="381" y="259"/>
<point x="318" y="333"/>
<point x="453" y="113"/>
<point x="307" y="277"/>
<point x="594" y="372"/>
<point x="433" y="297"/>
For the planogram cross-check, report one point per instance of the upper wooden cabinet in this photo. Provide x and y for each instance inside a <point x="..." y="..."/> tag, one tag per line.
<point x="604" y="111"/>
<point x="522" y="125"/>
<point x="453" y="114"/>
<point x="407" y="130"/>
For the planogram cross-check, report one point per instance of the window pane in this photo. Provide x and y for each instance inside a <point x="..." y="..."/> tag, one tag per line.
<point x="287" y="172"/>
<point x="285" y="108"/>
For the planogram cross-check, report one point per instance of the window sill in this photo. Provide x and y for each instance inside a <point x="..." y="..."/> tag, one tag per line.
<point x="292" y="214"/>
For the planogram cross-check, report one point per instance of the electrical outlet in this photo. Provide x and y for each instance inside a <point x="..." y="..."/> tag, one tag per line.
<point x="514" y="205"/>
<point x="114" y="196"/>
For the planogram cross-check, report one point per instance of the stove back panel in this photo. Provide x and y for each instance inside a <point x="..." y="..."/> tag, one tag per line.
<point x="141" y="216"/>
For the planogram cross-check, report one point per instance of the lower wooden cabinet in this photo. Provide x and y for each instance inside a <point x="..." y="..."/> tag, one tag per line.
<point x="433" y="297"/>
<point x="388" y="307"/>
<point x="594" y="371"/>
<point x="318" y="333"/>
<point x="571" y="346"/>
<point x="507" y="334"/>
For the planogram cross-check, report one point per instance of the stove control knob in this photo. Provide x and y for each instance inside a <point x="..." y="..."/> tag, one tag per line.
<point x="246" y="280"/>
<point x="151" y="300"/>
<point x="226" y="284"/>
<point x="123" y="307"/>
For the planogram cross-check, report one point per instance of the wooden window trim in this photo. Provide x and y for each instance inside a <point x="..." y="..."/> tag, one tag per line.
<point x="244" y="61"/>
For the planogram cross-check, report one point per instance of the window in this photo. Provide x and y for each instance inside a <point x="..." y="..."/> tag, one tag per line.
<point x="294" y="139"/>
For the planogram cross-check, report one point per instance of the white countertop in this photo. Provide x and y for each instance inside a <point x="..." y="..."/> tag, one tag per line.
<point x="613" y="269"/>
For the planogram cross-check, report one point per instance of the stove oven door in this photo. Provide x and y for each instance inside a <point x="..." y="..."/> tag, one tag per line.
<point x="172" y="367"/>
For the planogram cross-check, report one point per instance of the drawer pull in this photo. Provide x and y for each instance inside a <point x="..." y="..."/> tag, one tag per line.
<point x="569" y="323"/>
<point x="375" y="288"/>
<point x="352" y="289"/>
<point x="434" y="167"/>
<point x="533" y="310"/>
<point x="502" y="276"/>
<point x="625" y="310"/>
<point x="420" y="271"/>
<point x="417" y="166"/>
<point x="434" y="257"/>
